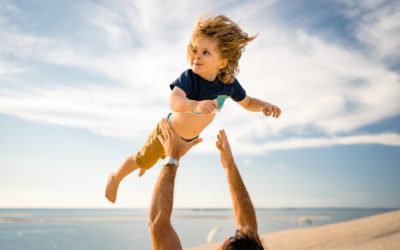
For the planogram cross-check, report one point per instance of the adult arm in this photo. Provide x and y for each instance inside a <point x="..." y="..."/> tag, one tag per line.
<point x="257" y="105"/>
<point x="243" y="209"/>
<point x="163" y="235"/>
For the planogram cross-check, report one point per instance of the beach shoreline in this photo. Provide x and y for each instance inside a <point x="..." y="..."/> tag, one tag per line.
<point x="380" y="231"/>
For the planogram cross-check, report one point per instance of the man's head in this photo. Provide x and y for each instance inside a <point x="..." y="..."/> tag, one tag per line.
<point x="230" y="42"/>
<point x="242" y="241"/>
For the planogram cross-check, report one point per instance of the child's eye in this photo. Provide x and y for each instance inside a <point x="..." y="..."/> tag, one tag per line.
<point x="206" y="52"/>
<point x="194" y="51"/>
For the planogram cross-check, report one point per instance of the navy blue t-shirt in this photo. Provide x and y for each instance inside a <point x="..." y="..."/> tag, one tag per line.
<point x="199" y="89"/>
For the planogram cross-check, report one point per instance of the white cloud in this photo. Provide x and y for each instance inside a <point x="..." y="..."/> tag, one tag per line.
<point x="377" y="26"/>
<point x="318" y="84"/>
<point x="381" y="31"/>
<point x="240" y="146"/>
<point x="8" y="68"/>
<point x="105" y="111"/>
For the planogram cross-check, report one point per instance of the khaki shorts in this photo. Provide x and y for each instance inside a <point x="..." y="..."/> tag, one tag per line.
<point x="152" y="150"/>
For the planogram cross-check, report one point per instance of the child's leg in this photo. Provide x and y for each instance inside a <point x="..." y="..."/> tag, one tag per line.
<point x="147" y="156"/>
<point x="127" y="167"/>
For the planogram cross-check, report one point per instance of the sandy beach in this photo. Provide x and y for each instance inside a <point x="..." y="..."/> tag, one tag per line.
<point x="375" y="232"/>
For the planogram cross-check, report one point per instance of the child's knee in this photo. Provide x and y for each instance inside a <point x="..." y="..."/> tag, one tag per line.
<point x="131" y="162"/>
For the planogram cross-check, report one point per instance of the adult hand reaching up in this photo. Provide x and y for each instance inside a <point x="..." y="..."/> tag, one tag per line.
<point x="173" y="144"/>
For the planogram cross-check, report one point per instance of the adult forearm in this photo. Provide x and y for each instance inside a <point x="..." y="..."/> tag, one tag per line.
<point x="163" y="194"/>
<point x="242" y="206"/>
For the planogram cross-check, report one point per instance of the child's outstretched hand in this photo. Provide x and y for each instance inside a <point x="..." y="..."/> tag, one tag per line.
<point x="271" y="110"/>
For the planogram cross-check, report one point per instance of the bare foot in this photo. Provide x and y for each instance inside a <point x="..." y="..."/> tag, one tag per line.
<point x="112" y="188"/>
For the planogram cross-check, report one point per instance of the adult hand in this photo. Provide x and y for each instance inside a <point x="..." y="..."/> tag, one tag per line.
<point x="173" y="144"/>
<point x="206" y="106"/>
<point x="224" y="148"/>
<point x="270" y="109"/>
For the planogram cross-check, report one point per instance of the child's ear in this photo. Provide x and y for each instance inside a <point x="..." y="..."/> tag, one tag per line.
<point x="223" y="63"/>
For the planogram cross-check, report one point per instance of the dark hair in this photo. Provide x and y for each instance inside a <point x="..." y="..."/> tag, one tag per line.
<point x="243" y="241"/>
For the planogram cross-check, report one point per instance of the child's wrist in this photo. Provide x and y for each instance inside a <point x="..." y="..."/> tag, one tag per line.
<point x="192" y="105"/>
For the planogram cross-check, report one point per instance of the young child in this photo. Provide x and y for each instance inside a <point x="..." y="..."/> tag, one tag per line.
<point x="213" y="52"/>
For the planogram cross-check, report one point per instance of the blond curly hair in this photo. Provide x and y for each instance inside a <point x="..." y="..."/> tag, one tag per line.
<point x="231" y="42"/>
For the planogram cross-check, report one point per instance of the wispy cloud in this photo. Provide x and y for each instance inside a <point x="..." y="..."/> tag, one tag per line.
<point x="8" y="68"/>
<point x="377" y="26"/>
<point x="332" y="89"/>
<point x="249" y="148"/>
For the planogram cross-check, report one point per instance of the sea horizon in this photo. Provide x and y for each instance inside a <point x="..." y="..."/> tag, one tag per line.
<point x="126" y="228"/>
<point x="208" y="208"/>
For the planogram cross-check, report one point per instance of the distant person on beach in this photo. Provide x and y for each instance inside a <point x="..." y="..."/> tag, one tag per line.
<point x="213" y="53"/>
<point x="163" y="235"/>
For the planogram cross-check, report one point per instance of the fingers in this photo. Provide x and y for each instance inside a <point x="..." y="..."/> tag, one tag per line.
<point x="208" y="106"/>
<point x="275" y="111"/>
<point x="222" y="141"/>
<point x="278" y="112"/>
<point x="163" y="129"/>
<point x="223" y="135"/>
<point x="166" y="129"/>
<point x="196" y="141"/>
<point x="211" y="106"/>
<point x="271" y="110"/>
<point x="267" y="110"/>
<point x="169" y="126"/>
<point x="219" y="138"/>
<point x="218" y="143"/>
<point x="162" y="140"/>
<point x="166" y="132"/>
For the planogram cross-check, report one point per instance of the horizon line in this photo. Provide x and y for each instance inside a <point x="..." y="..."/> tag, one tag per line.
<point x="206" y="208"/>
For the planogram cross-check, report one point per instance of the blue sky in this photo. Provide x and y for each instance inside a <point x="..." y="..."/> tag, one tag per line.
<point x="82" y="84"/>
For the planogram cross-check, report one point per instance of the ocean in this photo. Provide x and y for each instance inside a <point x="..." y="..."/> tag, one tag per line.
<point x="126" y="229"/>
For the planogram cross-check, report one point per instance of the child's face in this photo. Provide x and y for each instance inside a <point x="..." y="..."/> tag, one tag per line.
<point x="205" y="58"/>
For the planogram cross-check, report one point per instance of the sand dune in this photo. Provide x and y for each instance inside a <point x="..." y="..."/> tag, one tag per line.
<point x="374" y="232"/>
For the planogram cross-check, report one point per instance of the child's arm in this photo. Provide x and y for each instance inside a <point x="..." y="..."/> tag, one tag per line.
<point x="179" y="103"/>
<point x="256" y="105"/>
